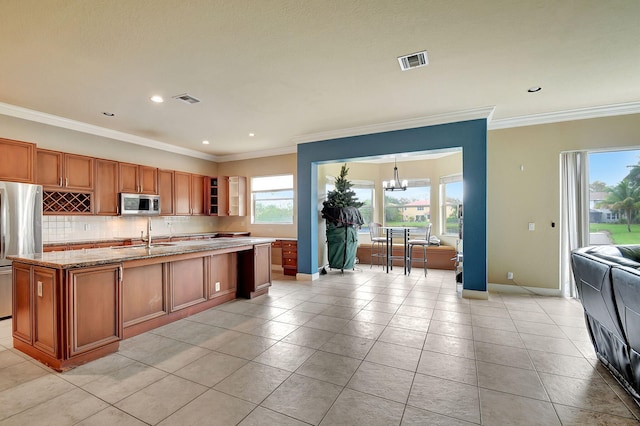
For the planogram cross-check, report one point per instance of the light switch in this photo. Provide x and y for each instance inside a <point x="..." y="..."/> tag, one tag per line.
<point x="532" y="226"/>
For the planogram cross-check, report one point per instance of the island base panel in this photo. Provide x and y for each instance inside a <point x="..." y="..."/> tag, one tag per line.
<point x="62" y="365"/>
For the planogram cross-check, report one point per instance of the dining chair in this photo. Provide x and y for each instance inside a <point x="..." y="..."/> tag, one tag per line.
<point x="422" y="243"/>
<point x="378" y="243"/>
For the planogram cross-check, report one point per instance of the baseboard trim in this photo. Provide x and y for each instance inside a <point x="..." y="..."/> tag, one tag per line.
<point x="475" y="294"/>
<point x="307" y="277"/>
<point x="519" y="289"/>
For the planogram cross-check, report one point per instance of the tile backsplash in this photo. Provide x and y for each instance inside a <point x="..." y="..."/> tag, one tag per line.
<point x="63" y="229"/>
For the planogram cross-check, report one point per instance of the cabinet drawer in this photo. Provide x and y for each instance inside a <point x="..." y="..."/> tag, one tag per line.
<point x="289" y="254"/>
<point x="290" y="262"/>
<point x="289" y="245"/>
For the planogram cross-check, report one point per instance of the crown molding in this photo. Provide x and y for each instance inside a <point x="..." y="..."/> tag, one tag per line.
<point x="473" y="114"/>
<point x="569" y="115"/>
<point x="432" y="120"/>
<point x="257" y="154"/>
<point x="65" y="123"/>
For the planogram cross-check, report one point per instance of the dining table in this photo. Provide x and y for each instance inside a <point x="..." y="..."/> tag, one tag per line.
<point x="397" y="232"/>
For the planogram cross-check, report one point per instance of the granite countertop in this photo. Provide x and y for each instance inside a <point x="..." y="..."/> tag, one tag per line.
<point x="102" y="256"/>
<point x="153" y="236"/>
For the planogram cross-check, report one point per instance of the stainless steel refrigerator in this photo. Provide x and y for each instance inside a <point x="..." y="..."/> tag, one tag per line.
<point x="20" y="231"/>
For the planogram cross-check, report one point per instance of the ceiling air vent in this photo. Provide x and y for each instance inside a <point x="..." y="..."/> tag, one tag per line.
<point x="413" y="60"/>
<point x="187" y="98"/>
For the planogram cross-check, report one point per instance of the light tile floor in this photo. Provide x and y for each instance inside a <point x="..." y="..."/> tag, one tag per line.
<point x="363" y="348"/>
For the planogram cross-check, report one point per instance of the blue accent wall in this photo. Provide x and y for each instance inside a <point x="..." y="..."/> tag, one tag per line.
<point x="471" y="136"/>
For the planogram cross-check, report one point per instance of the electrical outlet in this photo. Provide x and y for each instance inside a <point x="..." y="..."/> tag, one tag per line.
<point x="532" y="226"/>
<point x="218" y="286"/>
<point x="509" y="275"/>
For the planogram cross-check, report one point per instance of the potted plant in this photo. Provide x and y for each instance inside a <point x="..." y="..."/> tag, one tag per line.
<point x="340" y="210"/>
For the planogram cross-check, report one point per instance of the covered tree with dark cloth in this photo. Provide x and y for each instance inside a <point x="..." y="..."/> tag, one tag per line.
<point x="343" y="220"/>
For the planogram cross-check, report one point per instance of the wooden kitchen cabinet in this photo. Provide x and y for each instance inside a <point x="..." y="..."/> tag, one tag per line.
<point x="237" y="195"/>
<point x="138" y="179"/>
<point x="22" y="320"/>
<point x="106" y="191"/>
<point x="188" y="194"/>
<point x="36" y="323"/>
<point x="188" y="283"/>
<point x="226" y="196"/>
<point x="66" y="316"/>
<point x="95" y="308"/>
<point x="197" y="195"/>
<point x="223" y="273"/>
<point x="144" y="292"/>
<point x="17" y="161"/>
<point x="217" y="196"/>
<point x="255" y="271"/>
<point x="58" y="170"/>
<point x="166" y="192"/>
<point x="45" y="331"/>
<point x="289" y="257"/>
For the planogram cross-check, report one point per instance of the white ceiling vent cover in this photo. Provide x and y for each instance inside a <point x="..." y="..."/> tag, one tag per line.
<point x="185" y="97"/>
<point x="414" y="60"/>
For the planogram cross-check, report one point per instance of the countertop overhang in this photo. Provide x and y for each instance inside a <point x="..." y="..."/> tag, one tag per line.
<point x="102" y="256"/>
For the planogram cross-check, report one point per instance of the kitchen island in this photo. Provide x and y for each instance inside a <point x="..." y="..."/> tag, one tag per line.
<point x="71" y="307"/>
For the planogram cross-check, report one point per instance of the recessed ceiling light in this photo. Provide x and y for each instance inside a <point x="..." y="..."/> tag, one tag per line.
<point x="534" y="89"/>
<point x="157" y="99"/>
<point x="205" y="142"/>
<point x="108" y="114"/>
<point x="252" y="135"/>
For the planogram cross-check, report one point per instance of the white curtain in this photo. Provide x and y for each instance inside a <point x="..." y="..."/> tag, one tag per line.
<point x="574" y="222"/>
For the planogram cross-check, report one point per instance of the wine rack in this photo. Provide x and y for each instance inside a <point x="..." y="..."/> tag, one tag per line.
<point x="213" y="196"/>
<point x="66" y="202"/>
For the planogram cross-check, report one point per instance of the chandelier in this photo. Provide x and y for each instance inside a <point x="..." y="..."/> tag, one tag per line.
<point x="395" y="184"/>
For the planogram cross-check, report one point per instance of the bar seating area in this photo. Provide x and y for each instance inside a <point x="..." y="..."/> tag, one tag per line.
<point x="395" y="251"/>
<point x="423" y="243"/>
<point x="378" y="244"/>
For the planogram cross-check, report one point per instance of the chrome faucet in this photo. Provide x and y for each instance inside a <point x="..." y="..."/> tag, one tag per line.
<point x="147" y="239"/>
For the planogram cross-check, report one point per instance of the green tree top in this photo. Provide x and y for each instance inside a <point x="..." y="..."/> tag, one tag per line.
<point x="343" y="195"/>
<point x="624" y="197"/>
<point x="598" y="186"/>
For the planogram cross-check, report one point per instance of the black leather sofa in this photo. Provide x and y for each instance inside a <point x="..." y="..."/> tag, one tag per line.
<point x="608" y="283"/>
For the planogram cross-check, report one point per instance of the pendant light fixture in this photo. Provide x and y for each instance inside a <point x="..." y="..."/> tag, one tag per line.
<point x="395" y="184"/>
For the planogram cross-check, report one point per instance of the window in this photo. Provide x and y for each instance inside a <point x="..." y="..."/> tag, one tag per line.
<point x="272" y="199"/>
<point x="450" y="201"/>
<point x="410" y="207"/>
<point x="364" y="190"/>
<point x="614" y="179"/>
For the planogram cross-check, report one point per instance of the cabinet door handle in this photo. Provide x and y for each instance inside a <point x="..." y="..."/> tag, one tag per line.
<point x="66" y="182"/>
<point x="60" y="184"/>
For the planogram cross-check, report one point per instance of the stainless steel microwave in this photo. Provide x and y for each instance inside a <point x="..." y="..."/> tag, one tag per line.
<point x="139" y="204"/>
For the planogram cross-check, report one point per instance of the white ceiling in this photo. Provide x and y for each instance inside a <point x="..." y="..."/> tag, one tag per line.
<point x="294" y="70"/>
